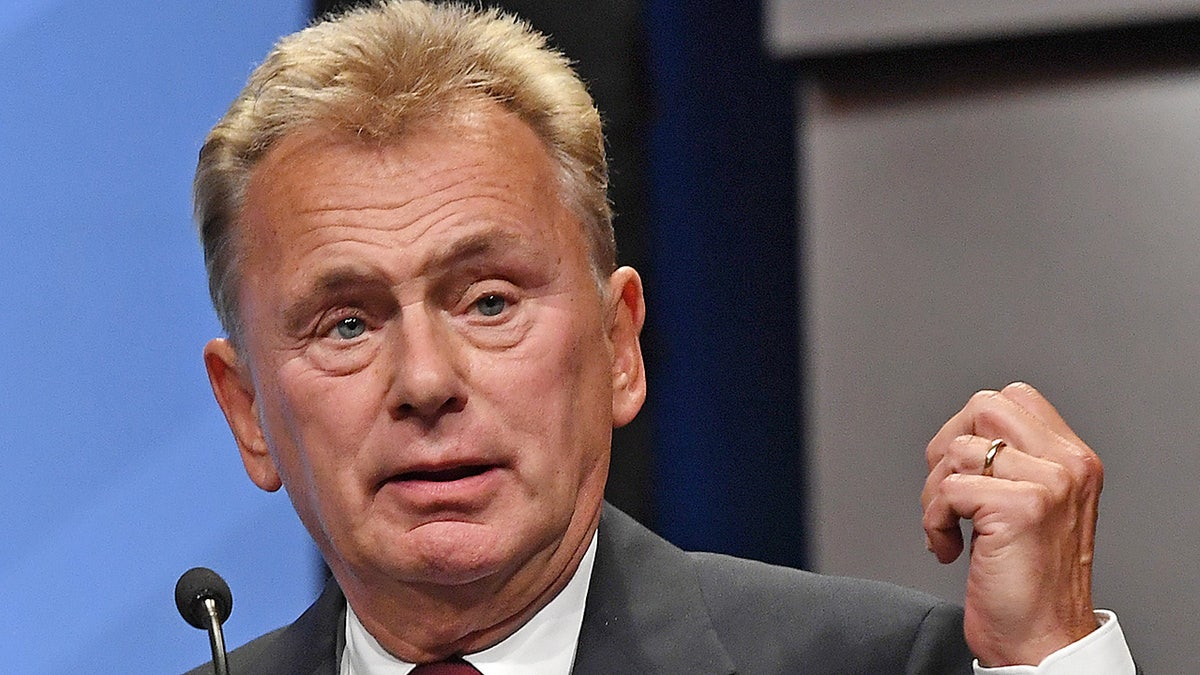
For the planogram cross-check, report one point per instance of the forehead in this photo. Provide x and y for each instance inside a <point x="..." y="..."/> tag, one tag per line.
<point x="481" y="163"/>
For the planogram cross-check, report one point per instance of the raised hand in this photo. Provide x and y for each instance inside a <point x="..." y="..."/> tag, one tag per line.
<point x="1033" y="511"/>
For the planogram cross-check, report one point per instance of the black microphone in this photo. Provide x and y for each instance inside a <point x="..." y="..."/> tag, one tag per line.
<point x="204" y="600"/>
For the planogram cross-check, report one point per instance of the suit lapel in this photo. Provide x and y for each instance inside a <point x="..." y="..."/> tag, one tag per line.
<point x="645" y="612"/>
<point x="312" y="645"/>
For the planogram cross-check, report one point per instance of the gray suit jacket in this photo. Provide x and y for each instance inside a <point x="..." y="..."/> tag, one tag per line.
<point x="652" y="608"/>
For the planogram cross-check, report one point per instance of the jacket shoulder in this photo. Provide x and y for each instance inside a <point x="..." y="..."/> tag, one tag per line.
<point x="776" y="613"/>
<point x="660" y="609"/>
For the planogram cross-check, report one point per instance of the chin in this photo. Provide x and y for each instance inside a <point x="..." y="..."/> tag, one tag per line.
<point x="457" y="553"/>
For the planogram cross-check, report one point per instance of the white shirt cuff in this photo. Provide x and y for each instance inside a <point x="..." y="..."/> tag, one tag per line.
<point x="1101" y="652"/>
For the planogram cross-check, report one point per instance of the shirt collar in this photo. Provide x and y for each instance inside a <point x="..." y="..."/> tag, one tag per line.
<point x="544" y="645"/>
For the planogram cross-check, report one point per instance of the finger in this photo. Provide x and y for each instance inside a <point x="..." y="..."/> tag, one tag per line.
<point x="956" y="458"/>
<point x="945" y="542"/>
<point x="944" y="507"/>
<point x="1070" y="451"/>
<point x="967" y="455"/>
<point x="993" y="506"/>
<point x="960" y="424"/>
<point x="992" y="414"/>
<point x="943" y="515"/>
<point x="943" y="531"/>
<point x="1029" y="398"/>
<point x="980" y="499"/>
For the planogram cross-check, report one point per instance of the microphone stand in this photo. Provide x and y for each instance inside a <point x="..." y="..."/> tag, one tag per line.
<point x="204" y="601"/>
<point x="216" y="638"/>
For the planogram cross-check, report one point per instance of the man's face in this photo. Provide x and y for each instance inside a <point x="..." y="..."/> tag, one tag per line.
<point x="428" y="365"/>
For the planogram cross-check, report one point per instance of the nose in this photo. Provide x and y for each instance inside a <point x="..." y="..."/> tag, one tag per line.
<point x="426" y="382"/>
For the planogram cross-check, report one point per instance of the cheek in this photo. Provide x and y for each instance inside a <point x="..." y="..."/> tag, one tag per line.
<point x="315" y="422"/>
<point x="558" y="392"/>
<point x="562" y="362"/>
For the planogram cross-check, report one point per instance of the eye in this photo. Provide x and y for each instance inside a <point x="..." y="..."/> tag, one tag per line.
<point x="350" y="328"/>
<point x="491" y="305"/>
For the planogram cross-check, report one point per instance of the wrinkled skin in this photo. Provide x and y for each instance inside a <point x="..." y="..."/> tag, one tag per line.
<point x="1034" y="523"/>
<point x="432" y="369"/>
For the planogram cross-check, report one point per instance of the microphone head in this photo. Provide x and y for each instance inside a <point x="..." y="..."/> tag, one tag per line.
<point x="196" y="585"/>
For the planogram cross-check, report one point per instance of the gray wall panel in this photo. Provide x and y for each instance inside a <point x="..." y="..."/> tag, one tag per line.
<point x="808" y="27"/>
<point x="1047" y="234"/>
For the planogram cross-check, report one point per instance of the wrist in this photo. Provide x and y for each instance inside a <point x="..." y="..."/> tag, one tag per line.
<point x="1032" y="647"/>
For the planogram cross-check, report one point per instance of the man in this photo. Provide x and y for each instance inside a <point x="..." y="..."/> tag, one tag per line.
<point x="429" y="342"/>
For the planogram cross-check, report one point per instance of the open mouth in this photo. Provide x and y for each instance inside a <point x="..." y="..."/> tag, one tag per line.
<point x="445" y="475"/>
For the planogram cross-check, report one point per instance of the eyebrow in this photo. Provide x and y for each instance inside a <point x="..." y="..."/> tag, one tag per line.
<point x="331" y="283"/>
<point x="344" y="279"/>
<point x="479" y="245"/>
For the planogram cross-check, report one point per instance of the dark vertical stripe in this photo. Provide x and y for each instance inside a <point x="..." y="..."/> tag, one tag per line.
<point x="723" y="246"/>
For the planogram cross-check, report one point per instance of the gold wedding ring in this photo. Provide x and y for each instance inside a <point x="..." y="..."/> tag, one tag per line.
<point x="993" y="450"/>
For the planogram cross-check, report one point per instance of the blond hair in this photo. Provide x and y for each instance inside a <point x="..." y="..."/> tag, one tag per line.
<point x="373" y="73"/>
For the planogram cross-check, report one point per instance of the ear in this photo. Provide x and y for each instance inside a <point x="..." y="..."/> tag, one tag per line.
<point x="627" y="314"/>
<point x="234" y="390"/>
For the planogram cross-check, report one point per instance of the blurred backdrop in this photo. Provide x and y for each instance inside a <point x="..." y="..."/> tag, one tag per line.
<point x="849" y="217"/>
<point x="117" y="472"/>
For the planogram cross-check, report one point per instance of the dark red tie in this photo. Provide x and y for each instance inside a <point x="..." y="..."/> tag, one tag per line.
<point x="451" y="667"/>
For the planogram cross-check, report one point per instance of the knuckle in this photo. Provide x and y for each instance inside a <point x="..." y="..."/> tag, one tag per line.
<point x="989" y="419"/>
<point x="982" y="397"/>
<point x="944" y="451"/>
<point x="1091" y="464"/>
<point x="1035" y="504"/>
<point x="1060" y="482"/>
<point x="1085" y="466"/>
<point x="959" y="456"/>
<point x="927" y="493"/>
<point x="932" y="454"/>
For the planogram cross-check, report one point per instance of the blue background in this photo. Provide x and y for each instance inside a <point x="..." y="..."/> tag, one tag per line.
<point x="118" y="470"/>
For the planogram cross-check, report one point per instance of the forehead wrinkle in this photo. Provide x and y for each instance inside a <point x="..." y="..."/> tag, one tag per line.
<point x="417" y="212"/>
<point x="481" y="244"/>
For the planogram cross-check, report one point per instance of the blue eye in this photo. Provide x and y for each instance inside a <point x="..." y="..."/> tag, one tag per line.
<point x="350" y="328"/>
<point x="491" y="305"/>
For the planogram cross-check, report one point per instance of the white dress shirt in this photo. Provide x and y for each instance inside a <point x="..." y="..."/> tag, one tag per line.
<point x="546" y="644"/>
<point x="1102" y="652"/>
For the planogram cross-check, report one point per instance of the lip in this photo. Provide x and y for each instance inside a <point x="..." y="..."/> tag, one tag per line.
<point x="441" y="486"/>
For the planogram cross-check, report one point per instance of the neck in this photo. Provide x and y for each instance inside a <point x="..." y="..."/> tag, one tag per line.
<point x="420" y="623"/>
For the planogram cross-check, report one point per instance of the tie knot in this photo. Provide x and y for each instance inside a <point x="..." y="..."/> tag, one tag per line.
<point x="454" y="666"/>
